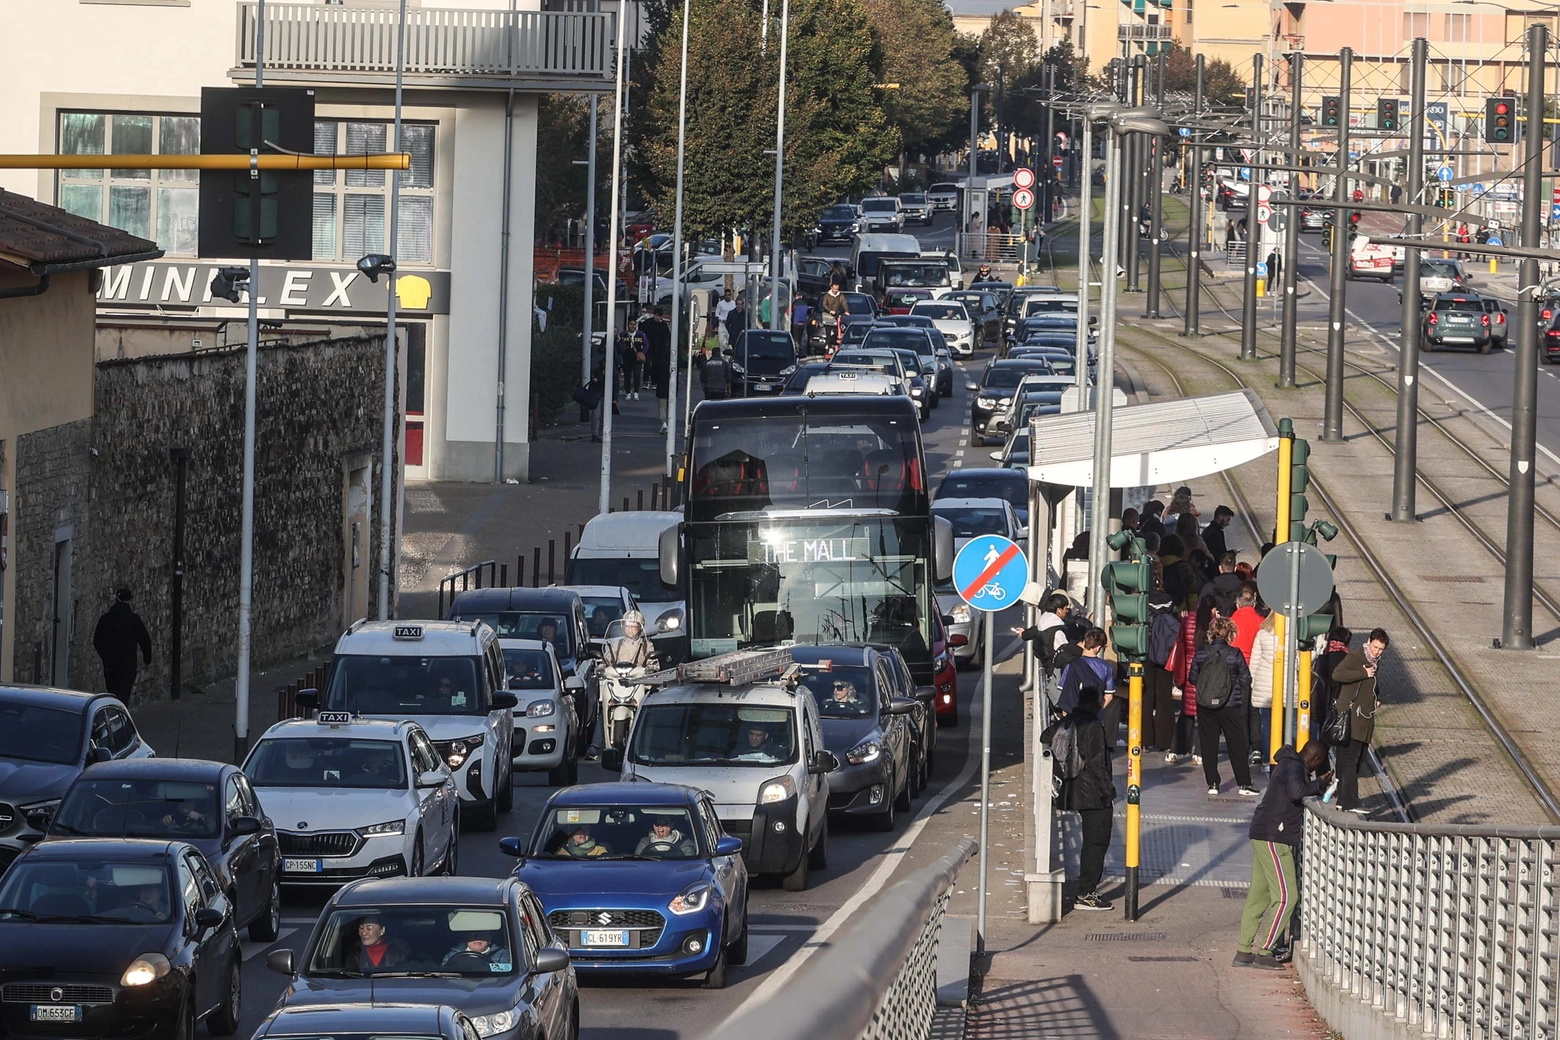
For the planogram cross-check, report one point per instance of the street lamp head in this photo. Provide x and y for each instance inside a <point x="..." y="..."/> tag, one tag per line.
<point x="1140" y="120"/>
<point x="1101" y="110"/>
<point x="980" y="88"/>
<point x="225" y="283"/>
<point x="375" y="264"/>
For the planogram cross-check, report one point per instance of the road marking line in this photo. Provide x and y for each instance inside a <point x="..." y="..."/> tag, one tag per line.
<point x="760" y="946"/>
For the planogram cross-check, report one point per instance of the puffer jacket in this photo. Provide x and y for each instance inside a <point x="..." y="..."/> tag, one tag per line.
<point x="1240" y="675"/>
<point x="1181" y="662"/>
<point x="1264" y="658"/>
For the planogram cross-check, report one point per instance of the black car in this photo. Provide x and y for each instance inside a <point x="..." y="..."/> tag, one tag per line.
<point x="923" y="723"/>
<point x="521" y="613"/>
<point x="837" y="224"/>
<point x="1456" y="319"/>
<point x="994" y="392"/>
<point x="380" y="1021"/>
<point x="762" y="360"/>
<point x="116" y="938"/>
<point x="47" y="737"/>
<point x="797" y="381"/>
<point x="576" y="276"/>
<point x="481" y="942"/>
<point x="210" y="805"/>
<point x="985" y="311"/>
<point x="1009" y="485"/>
<point x="866" y="728"/>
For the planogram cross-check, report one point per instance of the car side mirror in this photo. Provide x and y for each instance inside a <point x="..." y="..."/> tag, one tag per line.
<point x="99" y="753"/>
<point x="511" y="847"/>
<point x="947" y="619"/>
<point x="280" y="961"/>
<point x="574" y="682"/>
<point x="504" y="700"/>
<point x="900" y="706"/>
<point x="612" y="759"/>
<point x="823" y="762"/>
<point x="242" y="826"/>
<point x="548" y="961"/>
<point x="40" y="819"/>
<point x="308" y="700"/>
<point x="726" y="845"/>
<point x="972" y="387"/>
<point x="208" y="917"/>
<point x="432" y="778"/>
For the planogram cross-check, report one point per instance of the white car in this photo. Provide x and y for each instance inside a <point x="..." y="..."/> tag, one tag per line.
<point x="882" y="213"/>
<point x="755" y="746"/>
<point x="355" y="798"/>
<point x="546" y="729"/>
<point x="944" y="196"/>
<point x="953" y="320"/>
<point x="844" y="381"/>
<point x="446" y="676"/>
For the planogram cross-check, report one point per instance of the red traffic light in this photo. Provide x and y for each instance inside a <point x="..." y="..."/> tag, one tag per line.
<point x="1501" y="108"/>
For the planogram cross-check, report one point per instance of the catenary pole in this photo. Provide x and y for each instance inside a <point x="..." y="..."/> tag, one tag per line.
<point x="1290" y="275"/>
<point x="1337" y="305"/>
<point x="1156" y="177"/>
<point x="1081" y="347"/>
<point x="1194" y="232"/>
<point x="1099" y="514"/>
<point x="604" y="499"/>
<point x="1405" y="458"/>
<point x="677" y="255"/>
<point x="776" y="318"/>
<point x="387" y="467"/>
<point x="1248" y="305"/>
<point x="588" y="331"/>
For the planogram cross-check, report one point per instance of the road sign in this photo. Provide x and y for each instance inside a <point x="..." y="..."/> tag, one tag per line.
<point x="1479" y="189"/>
<point x="1186" y="131"/>
<point x="1264" y="212"/>
<point x="1023" y="198"/>
<point x="1023" y="177"/>
<point x="1261" y="269"/>
<point x="1264" y="193"/>
<point x="1057" y="162"/>
<point x="1494" y="240"/>
<point x="1444" y="173"/>
<point x="990" y="572"/>
<point x="1275" y="580"/>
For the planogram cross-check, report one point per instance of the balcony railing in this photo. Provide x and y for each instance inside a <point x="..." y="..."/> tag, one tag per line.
<point x="1143" y="33"/>
<point x="444" y="46"/>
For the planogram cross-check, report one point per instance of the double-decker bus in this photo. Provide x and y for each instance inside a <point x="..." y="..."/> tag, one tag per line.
<point x="808" y="520"/>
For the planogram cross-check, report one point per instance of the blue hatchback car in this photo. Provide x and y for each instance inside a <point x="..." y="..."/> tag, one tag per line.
<point x="639" y="878"/>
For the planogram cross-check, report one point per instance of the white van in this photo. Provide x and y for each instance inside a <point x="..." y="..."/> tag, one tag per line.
<point x="868" y="249"/>
<point x="625" y="549"/>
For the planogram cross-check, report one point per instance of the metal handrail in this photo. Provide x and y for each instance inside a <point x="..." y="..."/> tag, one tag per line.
<point x="1445" y="930"/>
<point x="878" y="979"/>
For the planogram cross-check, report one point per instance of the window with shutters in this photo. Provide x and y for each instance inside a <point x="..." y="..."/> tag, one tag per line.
<point x="352" y="207"/>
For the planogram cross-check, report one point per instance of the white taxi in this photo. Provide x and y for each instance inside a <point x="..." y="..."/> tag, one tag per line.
<point x="446" y="676"/>
<point x="355" y="798"/>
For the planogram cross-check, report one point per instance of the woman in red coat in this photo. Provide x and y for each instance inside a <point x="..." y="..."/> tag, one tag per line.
<point x="1194" y="635"/>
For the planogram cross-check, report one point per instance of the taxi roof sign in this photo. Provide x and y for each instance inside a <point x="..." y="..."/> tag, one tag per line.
<point x="408" y="632"/>
<point x="333" y="718"/>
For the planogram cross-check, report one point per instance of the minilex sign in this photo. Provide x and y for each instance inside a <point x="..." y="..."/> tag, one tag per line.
<point x="305" y="288"/>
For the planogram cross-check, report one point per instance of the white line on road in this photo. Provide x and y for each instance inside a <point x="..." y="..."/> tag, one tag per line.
<point x="760" y="945"/>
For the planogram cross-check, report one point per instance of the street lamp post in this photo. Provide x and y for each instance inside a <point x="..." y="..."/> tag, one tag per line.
<point x="604" y="498"/>
<point x="1337" y="308"/>
<point x="1194" y="231"/>
<point x="1248" y="310"/>
<point x="969" y="187"/>
<point x="775" y="317"/>
<point x="1404" y="479"/>
<point x="677" y="254"/>
<point x="1290" y="275"/>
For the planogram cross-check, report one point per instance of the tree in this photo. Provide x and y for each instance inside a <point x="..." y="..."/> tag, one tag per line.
<point x="1009" y="49"/>
<point x="916" y="39"/>
<point x="563" y="122"/>
<point x="1222" y="85"/>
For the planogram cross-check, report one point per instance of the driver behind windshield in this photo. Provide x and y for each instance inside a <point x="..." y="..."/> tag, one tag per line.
<point x="482" y="945"/>
<point x="664" y="839"/>
<point x="187" y="817"/>
<point x="758" y="745"/>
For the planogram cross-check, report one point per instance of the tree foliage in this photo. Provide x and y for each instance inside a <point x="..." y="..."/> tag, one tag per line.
<point x="1009" y="48"/>
<point x="917" y="41"/>
<point x="563" y="127"/>
<point x="1222" y="85"/>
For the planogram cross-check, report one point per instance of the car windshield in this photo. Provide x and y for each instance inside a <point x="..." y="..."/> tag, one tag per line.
<point x="1004" y="378"/>
<point x="39" y="734"/>
<point x="858" y="303"/>
<point x="842" y="692"/>
<point x="403" y="687"/>
<point x="902" y="273"/>
<point x="438" y="939"/>
<point x="1012" y="489"/>
<point x="767" y="345"/>
<point x="546" y="625"/>
<point x="528" y="669"/>
<point x="840" y="212"/>
<point x="969" y="522"/>
<point x="1045" y="305"/>
<point x="617" y="832"/>
<point x="713" y="734"/>
<point x="889" y="366"/>
<point x="942" y="311"/>
<point x="902" y="298"/>
<point x="641" y="576"/>
<point x="136" y="808"/>
<point x="910" y="359"/>
<point x="601" y="611"/>
<point x="879" y="205"/>
<point x="327" y="761"/>
<point x="94" y="891"/>
<point x="1438" y="268"/>
<point x="895" y="339"/>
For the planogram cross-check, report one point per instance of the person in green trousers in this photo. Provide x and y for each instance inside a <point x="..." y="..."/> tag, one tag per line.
<point x="1276" y="829"/>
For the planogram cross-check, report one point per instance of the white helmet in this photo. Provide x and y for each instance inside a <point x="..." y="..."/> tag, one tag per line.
<point x="634" y="617"/>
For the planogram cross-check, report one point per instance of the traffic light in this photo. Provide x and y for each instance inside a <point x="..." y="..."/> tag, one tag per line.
<point x="1354" y="221"/>
<point x="1387" y="114"/>
<point x="1313" y="626"/>
<point x="1332" y="111"/>
<point x="1299" y="480"/>
<point x="1127" y="586"/>
<point x="265" y="214"/>
<point x="1500" y="120"/>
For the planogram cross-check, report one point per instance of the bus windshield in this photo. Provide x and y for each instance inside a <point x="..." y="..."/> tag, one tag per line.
<point x="902" y="274"/>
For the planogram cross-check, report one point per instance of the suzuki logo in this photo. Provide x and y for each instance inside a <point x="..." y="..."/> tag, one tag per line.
<point x="603" y="918"/>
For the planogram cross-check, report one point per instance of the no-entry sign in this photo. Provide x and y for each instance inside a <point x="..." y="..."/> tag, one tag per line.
<point x="1023" y="177"/>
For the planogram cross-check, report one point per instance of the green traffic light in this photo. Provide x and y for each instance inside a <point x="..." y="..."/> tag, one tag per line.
<point x="1313" y="626"/>
<point x="1130" y="640"/>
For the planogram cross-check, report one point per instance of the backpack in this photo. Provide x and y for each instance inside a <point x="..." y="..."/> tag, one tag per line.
<point x="1163" y="633"/>
<point x="1214" y="682"/>
<point x="1046" y="644"/>
<point x="1066" y="755"/>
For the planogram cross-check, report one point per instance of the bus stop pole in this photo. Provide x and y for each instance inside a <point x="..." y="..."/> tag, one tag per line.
<point x="985" y="778"/>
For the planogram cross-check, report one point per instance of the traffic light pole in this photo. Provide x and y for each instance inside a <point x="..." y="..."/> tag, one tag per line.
<point x="1517" y="633"/>
<point x="1194" y="231"/>
<point x="1248" y="309"/>
<point x="1290" y="275"/>
<point x="1099" y="517"/>
<point x="1404" y="481"/>
<point x="1134" y="782"/>
<point x="985" y="774"/>
<point x="1085" y="202"/>
<point x="1332" y="420"/>
<point x="1286" y="444"/>
<point x="1156" y="170"/>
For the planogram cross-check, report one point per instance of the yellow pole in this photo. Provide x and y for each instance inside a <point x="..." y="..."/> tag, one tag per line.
<point x="1286" y="444"/>
<point x="1303" y="695"/>
<point x="1261" y="288"/>
<point x="1134" y="780"/>
<point x="377" y="161"/>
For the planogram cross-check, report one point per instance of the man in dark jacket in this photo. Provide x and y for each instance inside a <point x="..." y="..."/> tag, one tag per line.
<point x="1213" y="534"/>
<point x="1152" y="521"/>
<point x="1360" y="699"/>
<point x="658" y="360"/>
<point x="1225" y="587"/>
<point x="119" y="632"/>
<point x="1090" y="794"/>
<point x="1276" y="828"/>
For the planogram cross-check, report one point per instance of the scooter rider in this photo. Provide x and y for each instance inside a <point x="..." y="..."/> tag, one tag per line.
<point x="634" y="651"/>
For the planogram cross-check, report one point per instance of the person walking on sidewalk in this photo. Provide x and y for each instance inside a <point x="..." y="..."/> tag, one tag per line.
<point x="1276" y="828"/>
<point x="1194" y="636"/>
<point x="1359" y="697"/>
<point x="1089" y="790"/>
<point x="715" y="377"/>
<point x="1224" y="587"/>
<point x="658" y="359"/>
<point x="1223" y="684"/>
<point x="736" y="321"/>
<point x="119" y="633"/>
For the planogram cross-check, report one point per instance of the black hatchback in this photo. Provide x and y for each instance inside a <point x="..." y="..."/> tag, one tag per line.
<point x="210" y="805"/>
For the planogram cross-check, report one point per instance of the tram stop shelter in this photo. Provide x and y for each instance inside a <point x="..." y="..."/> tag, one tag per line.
<point x="1152" y="445"/>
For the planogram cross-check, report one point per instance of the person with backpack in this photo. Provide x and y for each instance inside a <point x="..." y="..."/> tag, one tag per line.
<point x="1180" y="581"/>
<point x="1049" y="632"/>
<point x="1164" y="629"/>
<point x="1223" y="685"/>
<point x="1276" y="829"/>
<point x="1080" y="758"/>
<point x="1088" y="671"/>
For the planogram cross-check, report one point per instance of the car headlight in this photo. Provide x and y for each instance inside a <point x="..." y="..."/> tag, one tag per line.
<point x="671" y="620"/>
<point x="777" y="790"/>
<point x="148" y="967"/>
<point x="692" y="899"/>
<point x="48" y="807"/>
<point x="380" y="830"/>
<point x="986" y="402"/>
<point x="916" y="391"/>
<point x="461" y="749"/>
<point x="787" y="370"/>
<point x="541" y="709"/>
<point x="866" y="751"/>
<point x="961" y="614"/>
<point x="498" y="1022"/>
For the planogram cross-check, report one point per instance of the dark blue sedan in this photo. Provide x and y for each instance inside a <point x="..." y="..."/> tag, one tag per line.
<point x="639" y="878"/>
<point x="380" y="1021"/>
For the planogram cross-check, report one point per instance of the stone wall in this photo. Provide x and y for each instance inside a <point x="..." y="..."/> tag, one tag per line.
<point x="53" y="477"/>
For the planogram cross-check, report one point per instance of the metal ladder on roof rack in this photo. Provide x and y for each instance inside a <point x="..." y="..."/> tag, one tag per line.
<point x="737" y="668"/>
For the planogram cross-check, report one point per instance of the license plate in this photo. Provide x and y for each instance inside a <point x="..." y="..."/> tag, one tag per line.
<point x="763" y="388"/>
<point x="302" y="866"/>
<point x="1456" y="339"/>
<point x="601" y="938"/>
<point x="56" y="1013"/>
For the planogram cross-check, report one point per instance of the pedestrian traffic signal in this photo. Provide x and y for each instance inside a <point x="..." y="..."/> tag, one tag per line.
<point x="1299" y="480"/>
<point x="1332" y="111"/>
<point x="1126" y="587"/>
<point x="1387" y="114"/>
<point x="257" y="213"/>
<point x="1500" y="120"/>
<point x="1313" y="626"/>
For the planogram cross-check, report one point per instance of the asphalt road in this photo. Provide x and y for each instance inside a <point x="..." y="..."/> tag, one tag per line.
<point x="783" y="923"/>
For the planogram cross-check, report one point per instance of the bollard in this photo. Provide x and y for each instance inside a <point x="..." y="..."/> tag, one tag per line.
<point x="520" y="571"/>
<point x="551" y="549"/>
<point x="1261" y="288"/>
<point x="640" y="500"/>
<point x="568" y="539"/>
<point x="625" y="503"/>
<point x="1494" y="265"/>
<point x="503" y="575"/>
<point x="536" y="567"/>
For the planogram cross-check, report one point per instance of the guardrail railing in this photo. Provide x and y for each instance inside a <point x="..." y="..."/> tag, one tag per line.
<point x="877" y="980"/>
<point x="990" y="248"/>
<point x="1438" y="931"/>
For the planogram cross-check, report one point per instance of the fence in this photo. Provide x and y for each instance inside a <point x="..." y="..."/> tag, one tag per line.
<point x="990" y="248"/>
<point x="1413" y="930"/>
<point x="877" y="980"/>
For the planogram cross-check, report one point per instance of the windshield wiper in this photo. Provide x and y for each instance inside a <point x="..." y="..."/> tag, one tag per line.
<point x="335" y="974"/>
<point x="26" y="915"/>
<point x="418" y="975"/>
